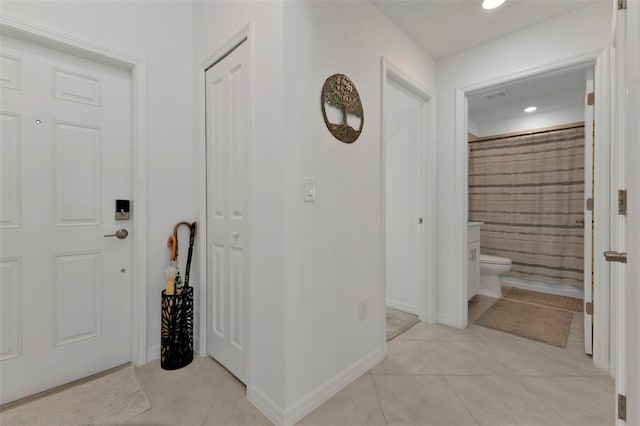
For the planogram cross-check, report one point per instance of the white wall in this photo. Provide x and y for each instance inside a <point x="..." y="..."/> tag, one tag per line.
<point x="568" y="36"/>
<point x="160" y="35"/>
<point x="334" y="255"/>
<point x="215" y="23"/>
<point x="529" y="121"/>
<point x="402" y="128"/>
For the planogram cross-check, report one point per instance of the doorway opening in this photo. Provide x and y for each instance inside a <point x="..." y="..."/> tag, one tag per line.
<point x="407" y="187"/>
<point x="531" y="179"/>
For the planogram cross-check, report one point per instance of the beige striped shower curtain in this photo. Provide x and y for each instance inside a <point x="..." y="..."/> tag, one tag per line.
<point x="528" y="190"/>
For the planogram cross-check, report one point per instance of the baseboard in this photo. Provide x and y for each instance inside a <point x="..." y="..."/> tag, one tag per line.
<point x="325" y="391"/>
<point x="543" y="287"/>
<point x="402" y="306"/>
<point x="447" y="320"/>
<point x="266" y="405"/>
<point x="153" y="353"/>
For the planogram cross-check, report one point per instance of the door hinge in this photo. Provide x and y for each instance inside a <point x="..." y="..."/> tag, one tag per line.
<point x="588" y="308"/>
<point x="622" y="201"/>
<point x="622" y="4"/>
<point x="591" y="98"/>
<point x="590" y="204"/>
<point x="622" y="407"/>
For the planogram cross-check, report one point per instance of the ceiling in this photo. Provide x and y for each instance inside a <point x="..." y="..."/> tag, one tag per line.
<point x="446" y="27"/>
<point x="548" y="92"/>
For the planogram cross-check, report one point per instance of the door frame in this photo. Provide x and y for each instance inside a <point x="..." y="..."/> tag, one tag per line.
<point x="64" y="43"/>
<point x="427" y="267"/>
<point x="244" y="35"/>
<point x="600" y="60"/>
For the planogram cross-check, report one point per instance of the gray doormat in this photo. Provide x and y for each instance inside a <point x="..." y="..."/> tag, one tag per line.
<point x="553" y="300"/>
<point x="535" y="322"/>
<point x="108" y="400"/>
<point x="398" y="322"/>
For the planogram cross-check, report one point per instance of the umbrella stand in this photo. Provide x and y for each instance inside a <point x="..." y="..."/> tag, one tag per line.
<point x="177" y="309"/>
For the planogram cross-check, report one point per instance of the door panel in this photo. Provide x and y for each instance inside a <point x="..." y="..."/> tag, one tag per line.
<point x="10" y="290"/>
<point x="77" y="302"/>
<point x="402" y="134"/>
<point x="10" y="186"/>
<point x="227" y="216"/>
<point x="65" y="159"/>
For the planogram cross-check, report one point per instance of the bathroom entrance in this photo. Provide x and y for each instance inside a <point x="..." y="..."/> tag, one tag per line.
<point x="530" y="201"/>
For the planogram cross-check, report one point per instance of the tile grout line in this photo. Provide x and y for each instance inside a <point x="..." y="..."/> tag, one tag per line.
<point x="375" y="389"/>
<point x="461" y="401"/>
<point x="543" y="401"/>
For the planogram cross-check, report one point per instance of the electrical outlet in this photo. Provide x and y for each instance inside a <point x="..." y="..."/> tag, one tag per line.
<point x="363" y="309"/>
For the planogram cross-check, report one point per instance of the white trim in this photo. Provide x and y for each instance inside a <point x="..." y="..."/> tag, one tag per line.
<point x="588" y="249"/>
<point x="200" y="169"/>
<point x="325" y="391"/>
<point x="603" y="216"/>
<point x="65" y="43"/>
<point x="461" y="199"/>
<point x="426" y="306"/>
<point x="446" y="319"/>
<point x="600" y="59"/>
<point x="543" y="287"/>
<point x="402" y="306"/>
<point x="153" y="353"/>
<point x="266" y="405"/>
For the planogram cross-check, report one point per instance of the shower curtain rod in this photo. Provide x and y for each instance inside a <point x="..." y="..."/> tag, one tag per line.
<point x="568" y="126"/>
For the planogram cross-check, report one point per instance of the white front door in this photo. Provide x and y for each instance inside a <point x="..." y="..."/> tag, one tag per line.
<point x="227" y="120"/>
<point x="64" y="287"/>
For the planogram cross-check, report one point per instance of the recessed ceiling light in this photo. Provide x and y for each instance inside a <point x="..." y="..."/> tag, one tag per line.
<point x="530" y="109"/>
<point x="491" y="4"/>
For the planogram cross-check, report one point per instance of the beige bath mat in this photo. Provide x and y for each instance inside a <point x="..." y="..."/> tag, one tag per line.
<point x="108" y="400"/>
<point x="553" y="300"/>
<point x="398" y="322"/>
<point x="534" y="322"/>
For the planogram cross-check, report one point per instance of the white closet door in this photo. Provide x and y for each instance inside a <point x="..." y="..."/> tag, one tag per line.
<point x="227" y="116"/>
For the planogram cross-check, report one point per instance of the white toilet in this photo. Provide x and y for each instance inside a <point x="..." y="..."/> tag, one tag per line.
<point x="490" y="269"/>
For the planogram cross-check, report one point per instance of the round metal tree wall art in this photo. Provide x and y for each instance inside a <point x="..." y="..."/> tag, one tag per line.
<point x="340" y="92"/>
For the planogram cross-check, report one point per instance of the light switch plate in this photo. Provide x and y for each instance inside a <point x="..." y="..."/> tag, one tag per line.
<point x="309" y="186"/>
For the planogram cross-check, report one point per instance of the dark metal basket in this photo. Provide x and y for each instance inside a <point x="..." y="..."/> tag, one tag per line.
<point x="177" y="329"/>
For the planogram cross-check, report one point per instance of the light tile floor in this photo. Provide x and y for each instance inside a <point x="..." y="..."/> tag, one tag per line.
<point x="434" y="375"/>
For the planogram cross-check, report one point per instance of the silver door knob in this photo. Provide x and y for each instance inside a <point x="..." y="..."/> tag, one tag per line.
<point x="120" y="234"/>
<point x="235" y="234"/>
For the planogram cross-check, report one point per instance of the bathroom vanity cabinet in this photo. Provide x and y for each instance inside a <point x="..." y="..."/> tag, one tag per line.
<point x="473" y="259"/>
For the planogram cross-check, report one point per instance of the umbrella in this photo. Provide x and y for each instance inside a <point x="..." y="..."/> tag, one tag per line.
<point x="172" y="270"/>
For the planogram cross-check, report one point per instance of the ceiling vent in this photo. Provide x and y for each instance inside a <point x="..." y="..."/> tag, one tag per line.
<point x="496" y="94"/>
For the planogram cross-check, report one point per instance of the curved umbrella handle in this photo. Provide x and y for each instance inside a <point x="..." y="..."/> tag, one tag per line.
<point x="173" y="244"/>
